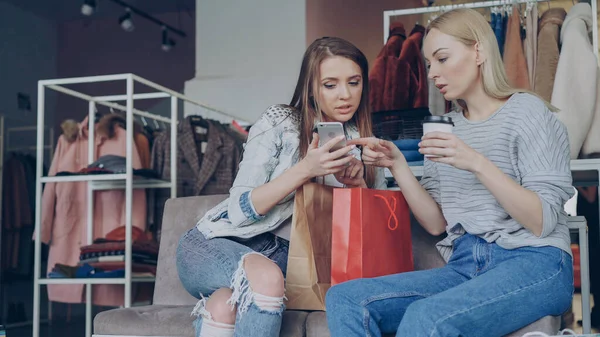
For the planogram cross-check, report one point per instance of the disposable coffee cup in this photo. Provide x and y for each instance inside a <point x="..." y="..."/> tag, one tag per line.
<point x="437" y="123"/>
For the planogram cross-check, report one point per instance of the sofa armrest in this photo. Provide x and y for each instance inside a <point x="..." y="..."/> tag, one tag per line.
<point x="180" y="215"/>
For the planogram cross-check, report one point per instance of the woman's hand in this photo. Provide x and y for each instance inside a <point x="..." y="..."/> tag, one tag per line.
<point x="447" y="148"/>
<point x="379" y="152"/>
<point x="320" y="162"/>
<point x="353" y="175"/>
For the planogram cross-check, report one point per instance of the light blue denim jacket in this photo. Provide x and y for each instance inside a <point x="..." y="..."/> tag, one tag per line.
<point x="272" y="147"/>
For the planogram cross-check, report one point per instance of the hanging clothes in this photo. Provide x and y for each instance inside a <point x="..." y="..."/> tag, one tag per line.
<point x="143" y="146"/>
<point x="411" y="54"/>
<point x="530" y="44"/>
<point x="548" y="51"/>
<point x="392" y="83"/>
<point x="64" y="211"/>
<point x="17" y="213"/>
<point x="514" y="58"/>
<point x="106" y="127"/>
<point x="498" y="27"/>
<point x="575" y="32"/>
<point x="207" y="162"/>
<point x="575" y="89"/>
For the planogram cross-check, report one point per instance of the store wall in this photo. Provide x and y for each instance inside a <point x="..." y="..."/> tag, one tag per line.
<point x="101" y="47"/>
<point x="248" y="54"/>
<point x="358" y="21"/>
<point x="28" y="47"/>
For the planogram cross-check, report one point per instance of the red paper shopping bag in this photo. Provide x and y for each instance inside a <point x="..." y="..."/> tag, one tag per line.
<point x="370" y="234"/>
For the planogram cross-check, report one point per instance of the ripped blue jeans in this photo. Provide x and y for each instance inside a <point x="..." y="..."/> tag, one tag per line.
<point x="207" y="265"/>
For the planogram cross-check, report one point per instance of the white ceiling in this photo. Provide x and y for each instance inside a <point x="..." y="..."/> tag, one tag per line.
<point x="69" y="10"/>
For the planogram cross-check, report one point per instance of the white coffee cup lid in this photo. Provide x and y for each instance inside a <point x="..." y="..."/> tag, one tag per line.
<point x="438" y="119"/>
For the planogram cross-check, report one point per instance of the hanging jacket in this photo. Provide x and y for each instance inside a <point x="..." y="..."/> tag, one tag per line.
<point x="213" y="173"/>
<point x="391" y="81"/>
<point x="514" y="57"/>
<point x="575" y="90"/>
<point x="64" y="211"/>
<point x="548" y="51"/>
<point x="530" y="44"/>
<point x="412" y="55"/>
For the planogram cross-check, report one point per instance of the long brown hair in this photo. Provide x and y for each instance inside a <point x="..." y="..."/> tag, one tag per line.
<point x="305" y="98"/>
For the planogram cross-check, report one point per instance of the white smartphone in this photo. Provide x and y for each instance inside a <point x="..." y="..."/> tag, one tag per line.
<point x="330" y="130"/>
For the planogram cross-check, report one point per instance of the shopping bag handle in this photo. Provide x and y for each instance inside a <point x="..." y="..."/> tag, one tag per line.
<point x="392" y="209"/>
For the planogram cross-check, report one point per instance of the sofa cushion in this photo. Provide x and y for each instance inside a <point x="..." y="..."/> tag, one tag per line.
<point x="150" y="320"/>
<point x="316" y="326"/>
<point x="172" y="321"/>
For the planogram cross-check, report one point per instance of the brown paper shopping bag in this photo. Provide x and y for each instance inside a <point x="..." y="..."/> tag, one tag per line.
<point x="309" y="259"/>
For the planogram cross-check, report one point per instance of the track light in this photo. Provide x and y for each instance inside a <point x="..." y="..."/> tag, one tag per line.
<point x="126" y="22"/>
<point x="88" y="8"/>
<point x="167" y="43"/>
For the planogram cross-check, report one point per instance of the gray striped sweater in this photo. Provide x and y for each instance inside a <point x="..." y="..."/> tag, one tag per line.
<point x="530" y="145"/>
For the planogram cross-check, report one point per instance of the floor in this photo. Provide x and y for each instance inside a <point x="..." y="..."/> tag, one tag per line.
<point x="76" y="327"/>
<point x="577" y="312"/>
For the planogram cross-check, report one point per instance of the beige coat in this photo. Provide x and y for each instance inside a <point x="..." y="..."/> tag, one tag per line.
<point x="530" y="43"/>
<point x="575" y="90"/>
<point x="548" y="51"/>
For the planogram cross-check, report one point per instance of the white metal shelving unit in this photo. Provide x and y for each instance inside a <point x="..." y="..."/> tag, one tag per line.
<point x="124" y="181"/>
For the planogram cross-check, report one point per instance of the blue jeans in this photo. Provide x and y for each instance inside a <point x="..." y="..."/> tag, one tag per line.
<point x="207" y="265"/>
<point x="484" y="290"/>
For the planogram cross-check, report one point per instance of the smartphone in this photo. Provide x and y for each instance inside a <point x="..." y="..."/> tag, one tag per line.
<point x="329" y="130"/>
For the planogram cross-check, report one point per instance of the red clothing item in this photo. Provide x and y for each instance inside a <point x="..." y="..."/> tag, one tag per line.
<point x="514" y="56"/>
<point x="411" y="54"/>
<point x="383" y="79"/>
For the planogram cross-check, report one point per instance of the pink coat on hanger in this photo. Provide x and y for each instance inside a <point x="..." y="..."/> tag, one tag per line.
<point x="64" y="212"/>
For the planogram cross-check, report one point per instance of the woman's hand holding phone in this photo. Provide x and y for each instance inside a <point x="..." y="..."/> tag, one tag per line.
<point x="319" y="161"/>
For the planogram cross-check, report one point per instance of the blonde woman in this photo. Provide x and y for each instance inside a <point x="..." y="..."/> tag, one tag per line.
<point x="497" y="186"/>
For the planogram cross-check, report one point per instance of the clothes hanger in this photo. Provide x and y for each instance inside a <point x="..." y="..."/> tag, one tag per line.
<point x="197" y="120"/>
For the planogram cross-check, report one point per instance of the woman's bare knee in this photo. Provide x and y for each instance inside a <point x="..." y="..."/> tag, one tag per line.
<point x="264" y="276"/>
<point x="218" y="307"/>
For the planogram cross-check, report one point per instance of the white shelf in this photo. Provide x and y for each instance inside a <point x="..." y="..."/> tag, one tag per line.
<point x="137" y="183"/>
<point x="89" y="177"/>
<point x="97" y="280"/>
<point x="576" y="165"/>
<point x="110" y="181"/>
<point x="416" y="170"/>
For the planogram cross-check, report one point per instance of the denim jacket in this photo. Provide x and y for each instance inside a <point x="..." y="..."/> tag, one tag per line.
<point x="272" y="147"/>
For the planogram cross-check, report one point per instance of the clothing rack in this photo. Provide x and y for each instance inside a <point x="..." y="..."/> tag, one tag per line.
<point x="576" y="165"/>
<point x="5" y="147"/>
<point x="482" y="4"/>
<point x="105" y="181"/>
<point x="49" y="147"/>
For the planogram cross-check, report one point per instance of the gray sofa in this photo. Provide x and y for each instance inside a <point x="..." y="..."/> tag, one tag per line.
<point x="169" y="316"/>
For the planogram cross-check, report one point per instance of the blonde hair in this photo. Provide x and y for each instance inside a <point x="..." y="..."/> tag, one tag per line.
<point x="470" y="28"/>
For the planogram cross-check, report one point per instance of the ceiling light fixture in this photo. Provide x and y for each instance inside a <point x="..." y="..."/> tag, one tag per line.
<point x="167" y="43"/>
<point x="126" y="22"/>
<point x="89" y="7"/>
